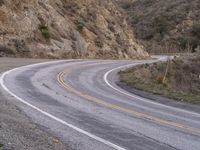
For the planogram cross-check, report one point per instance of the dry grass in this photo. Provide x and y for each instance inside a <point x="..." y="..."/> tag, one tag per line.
<point x="182" y="82"/>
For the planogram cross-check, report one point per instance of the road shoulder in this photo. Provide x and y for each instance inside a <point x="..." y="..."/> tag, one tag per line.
<point x="158" y="98"/>
<point x="17" y="130"/>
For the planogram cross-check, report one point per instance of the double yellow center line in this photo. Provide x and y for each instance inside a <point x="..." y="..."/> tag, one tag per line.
<point x="60" y="78"/>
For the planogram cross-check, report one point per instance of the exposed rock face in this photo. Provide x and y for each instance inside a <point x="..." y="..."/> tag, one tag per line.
<point x="66" y="28"/>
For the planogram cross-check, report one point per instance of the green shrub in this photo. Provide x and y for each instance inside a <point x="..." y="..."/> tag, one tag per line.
<point x="7" y="50"/>
<point x="146" y="66"/>
<point x="126" y="5"/>
<point x="45" y="31"/>
<point x="99" y="43"/>
<point x="194" y="42"/>
<point x="148" y="35"/>
<point x="135" y="19"/>
<point x="1" y="145"/>
<point x="20" y="46"/>
<point x="189" y="42"/>
<point x="196" y="30"/>
<point x="80" y="24"/>
<point x="183" y="42"/>
<point x="161" y="25"/>
<point x="161" y="67"/>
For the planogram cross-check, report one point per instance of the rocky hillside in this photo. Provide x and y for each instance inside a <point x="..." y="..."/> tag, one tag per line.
<point x="165" y="25"/>
<point x="66" y="29"/>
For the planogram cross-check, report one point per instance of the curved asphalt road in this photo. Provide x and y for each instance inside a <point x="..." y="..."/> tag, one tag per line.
<point x="78" y="101"/>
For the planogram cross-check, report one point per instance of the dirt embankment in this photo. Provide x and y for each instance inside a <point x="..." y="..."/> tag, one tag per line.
<point x="182" y="80"/>
<point x="66" y="29"/>
<point x="17" y="131"/>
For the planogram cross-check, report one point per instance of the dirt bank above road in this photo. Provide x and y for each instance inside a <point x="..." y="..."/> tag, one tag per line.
<point x="17" y="131"/>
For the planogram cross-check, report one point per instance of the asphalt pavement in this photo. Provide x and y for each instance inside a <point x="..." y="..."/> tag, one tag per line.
<point x="79" y="101"/>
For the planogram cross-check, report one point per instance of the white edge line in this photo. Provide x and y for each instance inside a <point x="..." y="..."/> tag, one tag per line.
<point x="138" y="97"/>
<point x="49" y="115"/>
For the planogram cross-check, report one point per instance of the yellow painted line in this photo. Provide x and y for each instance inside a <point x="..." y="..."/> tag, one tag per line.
<point x="122" y="109"/>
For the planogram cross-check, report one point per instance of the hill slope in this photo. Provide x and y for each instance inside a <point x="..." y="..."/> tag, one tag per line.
<point x="165" y="25"/>
<point x="65" y="28"/>
<point x="181" y="81"/>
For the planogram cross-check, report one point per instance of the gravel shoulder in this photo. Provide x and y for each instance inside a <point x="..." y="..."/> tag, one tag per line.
<point x="18" y="131"/>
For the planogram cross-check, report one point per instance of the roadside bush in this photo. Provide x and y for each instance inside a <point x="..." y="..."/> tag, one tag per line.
<point x="146" y="66"/>
<point x="148" y="35"/>
<point x="6" y="50"/>
<point x="159" y="28"/>
<point x="161" y="66"/>
<point x="189" y="42"/>
<point x="194" y="43"/>
<point x="20" y="46"/>
<point x="183" y="42"/>
<point x="159" y="79"/>
<point x="196" y="30"/>
<point x="161" y="25"/>
<point x="45" y="31"/>
<point x="99" y="43"/>
<point x="1" y="145"/>
<point x="80" y="24"/>
<point x="135" y="19"/>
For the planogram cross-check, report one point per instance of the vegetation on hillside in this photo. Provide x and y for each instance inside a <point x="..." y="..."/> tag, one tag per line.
<point x="182" y="80"/>
<point x="165" y="25"/>
<point x="66" y="29"/>
<point x="45" y="31"/>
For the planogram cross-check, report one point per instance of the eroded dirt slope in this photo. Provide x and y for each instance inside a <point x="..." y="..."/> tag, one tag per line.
<point x="66" y="29"/>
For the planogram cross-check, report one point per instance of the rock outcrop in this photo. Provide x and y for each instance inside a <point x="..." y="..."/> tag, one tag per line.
<point x="66" y="29"/>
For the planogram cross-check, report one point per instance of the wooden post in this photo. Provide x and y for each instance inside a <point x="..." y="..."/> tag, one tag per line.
<point x="167" y="68"/>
